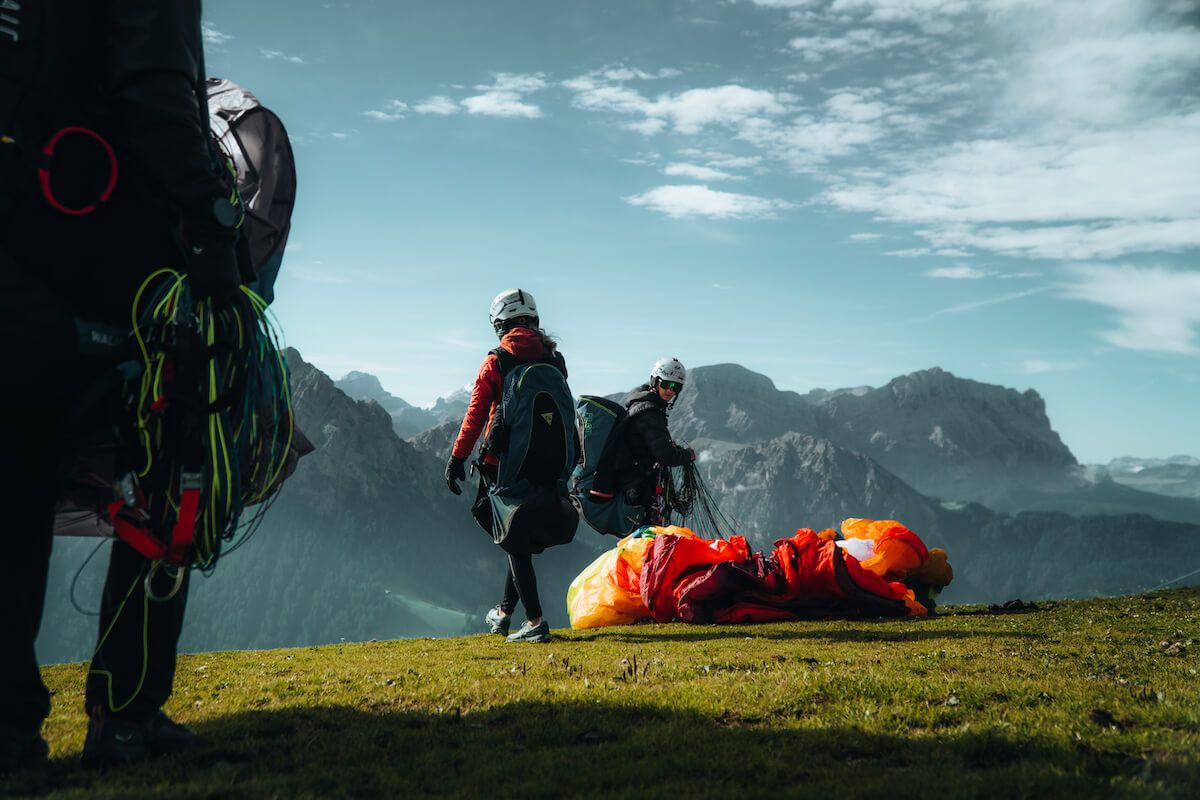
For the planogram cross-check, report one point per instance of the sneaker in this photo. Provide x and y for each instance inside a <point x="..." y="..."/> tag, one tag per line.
<point x="498" y="621"/>
<point x="532" y="633"/>
<point x="22" y="748"/>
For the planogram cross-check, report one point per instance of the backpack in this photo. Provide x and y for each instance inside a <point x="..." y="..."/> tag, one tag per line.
<point x="533" y="436"/>
<point x="254" y="140"/>
<point x="600" y="422"/>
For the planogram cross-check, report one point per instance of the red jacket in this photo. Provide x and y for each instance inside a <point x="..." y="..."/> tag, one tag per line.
<point x="525" y="344"/>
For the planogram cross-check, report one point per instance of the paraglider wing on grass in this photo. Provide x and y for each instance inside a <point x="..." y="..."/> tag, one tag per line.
<point x="809" y="575"/>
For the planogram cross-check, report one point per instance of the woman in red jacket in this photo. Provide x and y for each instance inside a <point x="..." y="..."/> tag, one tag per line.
<point x="514" y="317"/>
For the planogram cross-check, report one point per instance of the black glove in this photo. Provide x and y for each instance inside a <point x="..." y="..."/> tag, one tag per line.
<point x="210" y="247"/>
<point x="455" y="472"/>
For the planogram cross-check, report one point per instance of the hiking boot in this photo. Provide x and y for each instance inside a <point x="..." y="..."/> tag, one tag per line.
<point x="529" y="632"/>
<point x="169" y="736"/>
<point x="22" y="748"/>
<point x="111" y="740"/>
<point x="497" y="621"/>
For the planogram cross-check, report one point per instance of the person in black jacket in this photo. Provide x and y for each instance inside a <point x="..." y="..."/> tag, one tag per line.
<point x="649" y="448"/>
<point x="106" y="174"/>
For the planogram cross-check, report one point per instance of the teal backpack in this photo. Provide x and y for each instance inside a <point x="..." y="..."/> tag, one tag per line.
<point x="533" y="435"/>
<point x="599" y="422"/>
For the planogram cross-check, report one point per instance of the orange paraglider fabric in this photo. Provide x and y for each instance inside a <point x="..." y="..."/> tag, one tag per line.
<point x="898" y="551"/>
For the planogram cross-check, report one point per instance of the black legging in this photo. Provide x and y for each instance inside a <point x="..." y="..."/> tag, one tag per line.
<point x="521" y="584"/>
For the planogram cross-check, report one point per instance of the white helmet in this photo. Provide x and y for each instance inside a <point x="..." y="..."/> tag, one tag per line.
<point x="668" y="369"/>
<point x="511" y="304"/>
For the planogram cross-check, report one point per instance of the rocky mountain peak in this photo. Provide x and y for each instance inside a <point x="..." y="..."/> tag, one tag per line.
<point x="735" y="404"/>
<point x="365" y="386"/>
<point x="937" y="385"/>
<point x="731" y="375"/>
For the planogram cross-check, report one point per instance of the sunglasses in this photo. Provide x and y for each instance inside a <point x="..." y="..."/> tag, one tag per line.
<point x="674" y="386"/>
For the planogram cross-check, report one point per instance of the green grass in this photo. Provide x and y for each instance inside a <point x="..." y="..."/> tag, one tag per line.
<point x="1080" y="700"/>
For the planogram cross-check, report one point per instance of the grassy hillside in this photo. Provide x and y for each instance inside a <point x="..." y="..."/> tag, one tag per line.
<point x="1080" y="699"/>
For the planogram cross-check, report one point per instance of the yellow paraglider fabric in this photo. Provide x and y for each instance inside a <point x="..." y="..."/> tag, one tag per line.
<point x="609" y="590"/>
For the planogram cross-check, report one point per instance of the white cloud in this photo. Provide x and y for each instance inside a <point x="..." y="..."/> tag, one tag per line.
<point x="276" y="55"/>
<point x="1092" y="194"/>
<point x="958" y="273"/>
<point x="1111" y="61"/>
<point x="687" y="112"/>
<point x="785" y="3"/>
<point x="1158" y="309"/>
<point x="1074" y="242"/>
<point x="1037" y="366"/>
<point x="698" y="172"/>
<point x="851" y="43"/>
<point x="700" y="201"/>
<point x="865" y="237"/>
<point x="807" y="141"/>
<point x="647" y="127"/>
<point x="721" y="160"/>
<point x="854" y="107"/>
<point x="438" y="104"/>
<point x="393" y="110"/>
<point x="921" y="252"/>
<point x="1091" y="148"/>
<point x="692" y="110"/>
<point x="212" y="36"/>
<point x="904" y="10"/>
<point x="504" y="97"/>
<point x="925" y="87"/>
<point x="622" y="73"/>
<point x="501" y="104"/>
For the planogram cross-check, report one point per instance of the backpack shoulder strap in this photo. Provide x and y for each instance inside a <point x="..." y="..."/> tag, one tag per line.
<point x="506" y="361"/>
<point x="641" y="407"/>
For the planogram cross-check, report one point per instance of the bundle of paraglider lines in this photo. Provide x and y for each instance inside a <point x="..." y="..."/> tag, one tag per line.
<point x="213" y="419"/>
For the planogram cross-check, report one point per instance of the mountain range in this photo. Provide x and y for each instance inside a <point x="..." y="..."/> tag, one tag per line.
<point x="947" y="437"/>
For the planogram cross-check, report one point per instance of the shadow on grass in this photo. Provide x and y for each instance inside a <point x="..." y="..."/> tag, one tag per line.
<point x="600" y="748"/>
<point x="637" y="634"/>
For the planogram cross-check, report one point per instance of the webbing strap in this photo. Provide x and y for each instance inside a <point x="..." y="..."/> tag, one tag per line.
<point x="134" y="532"/>
<point x="130" y="530"/>
<point x="185" y="524"/>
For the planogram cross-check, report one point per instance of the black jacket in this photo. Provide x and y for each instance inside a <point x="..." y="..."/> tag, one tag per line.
<point x="133" y="71"/>
<point x="647" y="443"/>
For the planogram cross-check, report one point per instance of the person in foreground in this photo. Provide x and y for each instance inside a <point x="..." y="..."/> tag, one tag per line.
<point x="106" y="174"/>
<point x="514" y="318"/>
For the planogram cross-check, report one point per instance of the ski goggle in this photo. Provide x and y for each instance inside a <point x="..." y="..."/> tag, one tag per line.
<point x="674" y="386"/>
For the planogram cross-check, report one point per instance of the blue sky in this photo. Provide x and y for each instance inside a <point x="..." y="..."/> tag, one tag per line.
<point x="830" y="192"/>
